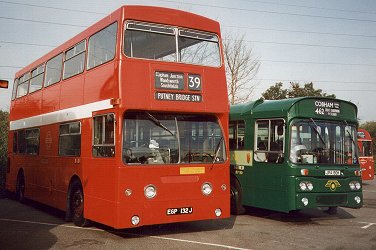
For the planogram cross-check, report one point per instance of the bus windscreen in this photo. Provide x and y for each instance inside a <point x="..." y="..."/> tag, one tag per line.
<point x="322" y="143"/>
<point x="161" y="138"/>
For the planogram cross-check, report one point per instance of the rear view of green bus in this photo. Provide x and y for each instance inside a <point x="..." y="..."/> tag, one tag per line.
<point x="293" y="154"/>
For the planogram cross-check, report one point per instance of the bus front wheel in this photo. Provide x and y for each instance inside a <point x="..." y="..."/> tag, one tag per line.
<point x="236" y="201"/>
<point x="332" y="210"/>
<point x="77" y="205"/>
<point x="20" y="188"/>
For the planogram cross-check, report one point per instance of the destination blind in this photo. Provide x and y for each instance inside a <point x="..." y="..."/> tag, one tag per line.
<point x="327" y="108"/>
<point x="164" y="96"/>
<point x="176" y="81"/>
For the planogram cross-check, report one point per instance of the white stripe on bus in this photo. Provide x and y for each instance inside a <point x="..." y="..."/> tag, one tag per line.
<point x="64" y="115"/>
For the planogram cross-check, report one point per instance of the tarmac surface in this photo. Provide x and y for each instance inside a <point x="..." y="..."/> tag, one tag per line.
<point x="35" y="226"/>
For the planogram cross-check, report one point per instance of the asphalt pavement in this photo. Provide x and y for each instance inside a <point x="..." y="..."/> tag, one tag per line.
<point x="35" y="226"/>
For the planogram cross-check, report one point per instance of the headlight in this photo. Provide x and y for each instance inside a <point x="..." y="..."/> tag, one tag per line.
<point x="357" y="199"/>
<point x="150" y="191"/>
<point x="206" y="188"/>
<point x="309" y="186"/>
<point x="135" y="220"/>
<point x="354" y="185"/>
<point x="303" y="186"/>
<point x="218" y="212"/>
<point x="305" y="201"/>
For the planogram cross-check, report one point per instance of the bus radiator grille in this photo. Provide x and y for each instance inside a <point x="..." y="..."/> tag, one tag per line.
<point x="339" y="199"/>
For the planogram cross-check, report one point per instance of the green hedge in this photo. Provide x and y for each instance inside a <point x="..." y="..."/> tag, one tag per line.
<point x="3" y="148"/>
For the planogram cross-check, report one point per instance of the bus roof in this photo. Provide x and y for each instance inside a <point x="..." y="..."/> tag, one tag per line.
<point x="292" y="107"/>
<point x="138" y="13"/>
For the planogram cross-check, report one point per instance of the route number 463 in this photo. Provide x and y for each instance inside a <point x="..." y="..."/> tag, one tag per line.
<point x="194" y="82"/>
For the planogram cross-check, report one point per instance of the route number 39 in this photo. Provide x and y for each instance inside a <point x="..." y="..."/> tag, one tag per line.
<point x="194" y="82"/>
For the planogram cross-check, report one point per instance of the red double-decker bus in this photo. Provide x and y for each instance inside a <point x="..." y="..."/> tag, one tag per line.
<point x="366" y="160"/>
<point x="126" y="123"/>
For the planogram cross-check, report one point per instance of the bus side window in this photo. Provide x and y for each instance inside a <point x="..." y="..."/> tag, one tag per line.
<point x="240" y="134"/>
<point x="23" y="85"/>
<point x="15" y="142"/>
<point x="102" y="46"/>
<point x="74" y="62"/>
<point x="232" y="135"/>
<point x="32" y="141"/>
<point x="36" y="80"/>
<point x="269" y="143"/>
<point x="53" y="70"/>
<point x="70" y="139"/>
<point x="237" y="130"/>
<point x="261" y="143"/>
<point x="104" y="136"/>
<point x="21" y="142"/>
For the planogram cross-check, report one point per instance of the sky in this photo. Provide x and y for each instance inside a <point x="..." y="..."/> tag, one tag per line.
<point x="328" y="42"/>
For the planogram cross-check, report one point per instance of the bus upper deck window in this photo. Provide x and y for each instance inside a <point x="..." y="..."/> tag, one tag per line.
<point x="173" y="44"/>
<point x="102" y="46"/>
<point x="36" y="81"/>
<point x="23" y="86"/>
<point x="150" y="42"/>
<point x="199" y="48"/>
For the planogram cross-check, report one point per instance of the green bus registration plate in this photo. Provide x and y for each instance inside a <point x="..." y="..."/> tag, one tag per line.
<point x="333" y="172"/>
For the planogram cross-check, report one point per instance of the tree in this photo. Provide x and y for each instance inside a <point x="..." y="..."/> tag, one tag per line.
<point x="3" y="147"/>
<point x="307" y="90"/>
<point x="241" y="67"/>
<point x="276" y="91"/>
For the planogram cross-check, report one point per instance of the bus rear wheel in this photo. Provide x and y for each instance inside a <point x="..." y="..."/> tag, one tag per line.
<point x="77" y="205"/>
<point x="236" y="202"/>
<point x="20" y="188"/>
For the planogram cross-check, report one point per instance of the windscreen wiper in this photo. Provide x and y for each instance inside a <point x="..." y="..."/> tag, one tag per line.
<point x="352" y="138"/>
<point x="158" y="123"/>
<point x="217" y="149"/>
<point x="317" y="132"/>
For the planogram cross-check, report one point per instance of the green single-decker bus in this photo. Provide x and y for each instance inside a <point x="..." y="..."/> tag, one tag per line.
<point x="292" y="154"/>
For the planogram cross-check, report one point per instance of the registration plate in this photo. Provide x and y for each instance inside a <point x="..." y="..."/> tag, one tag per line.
<point x="180" y="210"/>
<point x="333" y="172"/>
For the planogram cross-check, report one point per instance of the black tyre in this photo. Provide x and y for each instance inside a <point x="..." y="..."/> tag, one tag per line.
<point x="76" y="205"/>
<point x="236" y="198"/>
<point x="20" y="188"/>
<point x="332" y="210"/>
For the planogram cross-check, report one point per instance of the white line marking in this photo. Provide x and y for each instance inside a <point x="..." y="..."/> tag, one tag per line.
<point x="368" y="224"/>
<point x="101" y="230"/>
<point x="50" y="224"/>
<point x="198" y="242"/>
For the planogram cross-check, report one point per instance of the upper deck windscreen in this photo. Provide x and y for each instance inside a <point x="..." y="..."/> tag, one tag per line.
<point x="172" y="44"/>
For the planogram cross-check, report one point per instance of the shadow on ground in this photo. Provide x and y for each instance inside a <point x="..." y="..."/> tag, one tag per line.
<point x="302" y="217"/>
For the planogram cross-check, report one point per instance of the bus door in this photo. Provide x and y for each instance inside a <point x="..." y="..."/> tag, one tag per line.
<point x="101" y="165"/>
<point x="268" y="170"/>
